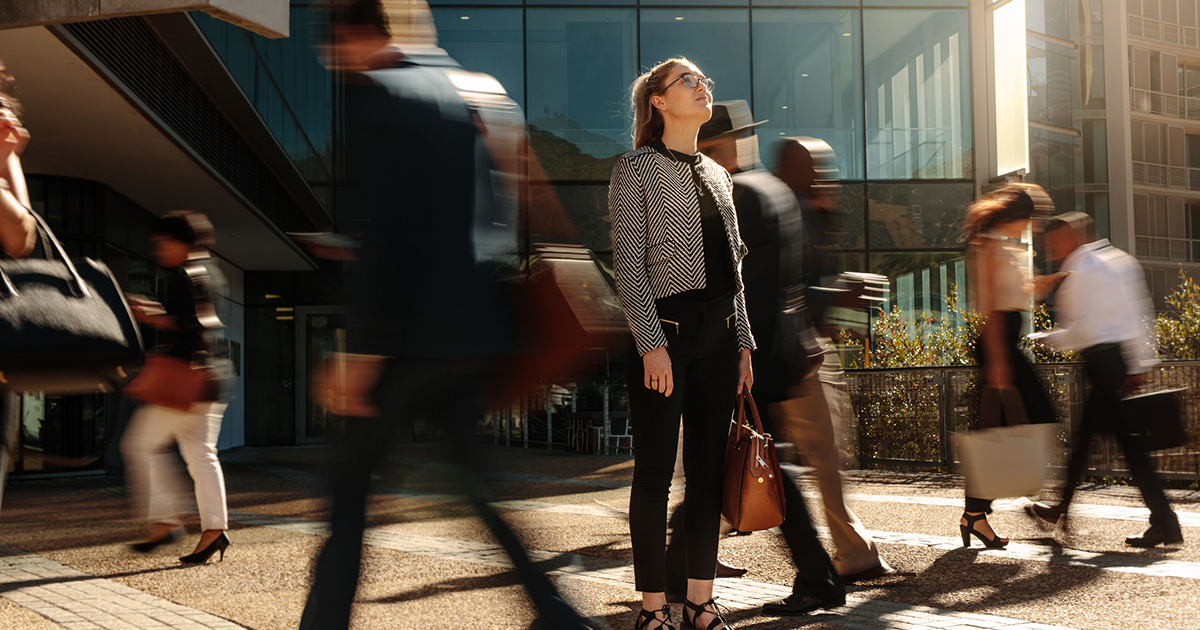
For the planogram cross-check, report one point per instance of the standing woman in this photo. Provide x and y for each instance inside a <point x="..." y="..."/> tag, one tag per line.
<point x="678" y="257"/>
<point x="180" y="239"/>
<point x="1001" y="291"/>
<point x="18" y="233"/>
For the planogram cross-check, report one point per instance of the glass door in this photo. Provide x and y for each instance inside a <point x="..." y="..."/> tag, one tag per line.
<point x="320" y="332"/>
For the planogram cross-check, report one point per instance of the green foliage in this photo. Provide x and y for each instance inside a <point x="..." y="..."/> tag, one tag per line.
<point x="900" y="341"/>
<point x="1178" y="331"/>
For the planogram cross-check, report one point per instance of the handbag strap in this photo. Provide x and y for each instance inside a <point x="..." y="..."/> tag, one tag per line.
<point x="745" y="399"/>
<point x="78" y="288"/>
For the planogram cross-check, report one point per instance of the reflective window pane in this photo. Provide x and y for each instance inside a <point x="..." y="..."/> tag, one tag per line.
<point x="917" y="216"/>
<point x="1091" y="76"/>
<point x="921" y="3"/>
<point x="918" y="94"/>
<point x="1095" y="152"/>
<point x="585" y="60"/>
<point x="1049" y="17"/>
<point x="920" y="282"/>
<point x="1053" y="166"/>
<point x="807" y="81"/>
<point x="716" y="40"/>
<point x="485" y="40"/>
<point x="1050" y="93"/>
<point x="576" y="214"/>
<point x="474" y="2"/>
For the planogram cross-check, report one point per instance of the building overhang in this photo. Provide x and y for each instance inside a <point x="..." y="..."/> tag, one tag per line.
<point x="82" y="127"/>
<point x="269" y="18"/>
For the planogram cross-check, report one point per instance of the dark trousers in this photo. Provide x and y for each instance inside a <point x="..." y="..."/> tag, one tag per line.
<point x="704" y="366"/>
<point x="815" y="573"/>
<point x="1106" y="370"/>
<point x="454" y="389"/>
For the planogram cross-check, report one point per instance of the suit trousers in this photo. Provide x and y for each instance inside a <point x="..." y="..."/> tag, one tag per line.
<point x="811" y="416"/>
<point x="703" y="345"/>
<point x="154" y="477"/>
<point x="1101" y="412"/>
<point x="454" y="389"/>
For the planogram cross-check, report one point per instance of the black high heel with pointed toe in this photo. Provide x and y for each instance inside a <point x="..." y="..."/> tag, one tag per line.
<point x="200" y="557"/>
<point x="967" y="530"/>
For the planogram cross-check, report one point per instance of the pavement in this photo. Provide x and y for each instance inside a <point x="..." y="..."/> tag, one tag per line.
<point x="428" y="563"/>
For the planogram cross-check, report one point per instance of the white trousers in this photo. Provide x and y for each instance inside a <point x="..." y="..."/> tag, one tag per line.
<point x="157" y="485"/>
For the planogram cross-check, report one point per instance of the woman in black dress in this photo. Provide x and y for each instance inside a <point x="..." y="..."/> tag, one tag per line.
<point x="1002" y="290"/>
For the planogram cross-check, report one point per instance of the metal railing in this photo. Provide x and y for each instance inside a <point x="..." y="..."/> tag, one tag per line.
<point x="1163" y="104"/>
<point x="904" y="418"/>
<point x="1165" y="176"/>
<point x="1159" y="31"/>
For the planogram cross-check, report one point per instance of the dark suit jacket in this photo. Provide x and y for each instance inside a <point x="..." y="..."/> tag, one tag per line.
<point x="772" y="228"/>
<point x="412" y="158"/>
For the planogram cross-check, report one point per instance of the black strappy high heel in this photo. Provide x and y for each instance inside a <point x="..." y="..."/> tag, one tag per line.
<point x="967" y="530"/>
<point x="699" y="609"/>
<point x="645" y="618"/>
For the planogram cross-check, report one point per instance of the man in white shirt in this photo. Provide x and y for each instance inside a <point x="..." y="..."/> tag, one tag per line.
<point x="1102" y="307"/>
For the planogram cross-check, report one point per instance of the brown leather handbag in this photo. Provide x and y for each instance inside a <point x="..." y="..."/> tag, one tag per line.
<point x="753" y="494"/>
<point x="172" y="382"/>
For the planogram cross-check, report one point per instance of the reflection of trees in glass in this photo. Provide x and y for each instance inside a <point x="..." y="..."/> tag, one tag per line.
<point x="917" y="91"/>
<point x="563" y="159"/>
<point x="917" y="215"/>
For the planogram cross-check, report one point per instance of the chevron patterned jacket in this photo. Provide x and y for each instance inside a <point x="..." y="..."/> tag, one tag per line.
<point x="658" y="245"/>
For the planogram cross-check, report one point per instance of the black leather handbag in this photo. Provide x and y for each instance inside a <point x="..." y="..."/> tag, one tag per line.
<point x="1157" y="417"/>
<point x="65" y="327"/>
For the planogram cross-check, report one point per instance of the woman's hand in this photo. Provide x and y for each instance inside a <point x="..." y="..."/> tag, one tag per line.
<point x="658" y="377"/>
<point x="745" y="373"/>
<point x="13" y="136"/>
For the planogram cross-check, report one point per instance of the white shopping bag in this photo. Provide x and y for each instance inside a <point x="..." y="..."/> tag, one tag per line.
<point x="1005" y="461"/>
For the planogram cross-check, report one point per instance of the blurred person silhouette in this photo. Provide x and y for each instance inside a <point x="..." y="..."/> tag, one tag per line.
<point x="1002" y="290"/>
<point x="426" y="320"/>
<point x="812" y="411"/>
<point x="1102" y="306"/>
<point x="18" y="235"/>
<point x="180" y="242"/>
<point x="677" y="257"/>
<point x="769" y="216"/>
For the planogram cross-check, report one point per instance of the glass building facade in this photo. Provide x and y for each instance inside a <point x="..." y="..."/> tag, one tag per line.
<point x="289" y="87"/>
<point x="886" y="83"/>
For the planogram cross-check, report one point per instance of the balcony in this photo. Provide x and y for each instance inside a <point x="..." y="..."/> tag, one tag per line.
<point x="1158" y="31"/>
<point x="1147" y="102"/>
<point x="1165" y="176"/>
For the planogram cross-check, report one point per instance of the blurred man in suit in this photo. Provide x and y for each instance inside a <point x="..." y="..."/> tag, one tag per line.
<point x="426" y="318"/>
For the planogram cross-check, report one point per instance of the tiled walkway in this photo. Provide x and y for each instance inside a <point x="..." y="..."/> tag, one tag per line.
<point x="78" y="601"/>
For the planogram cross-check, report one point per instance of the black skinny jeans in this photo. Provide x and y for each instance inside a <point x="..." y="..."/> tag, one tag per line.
<point x="703" y="343"/>
<point x="1106" y="370"/>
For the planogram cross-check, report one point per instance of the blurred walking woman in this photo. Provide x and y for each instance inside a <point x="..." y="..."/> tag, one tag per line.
<point x="180" y="239"/>
<point x="18" y="233"/>
<point x="677" y="257"/>
<point x="1001" y="290"/>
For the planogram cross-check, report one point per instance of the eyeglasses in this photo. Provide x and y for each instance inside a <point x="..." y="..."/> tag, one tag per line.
<point x="691" y="82"/>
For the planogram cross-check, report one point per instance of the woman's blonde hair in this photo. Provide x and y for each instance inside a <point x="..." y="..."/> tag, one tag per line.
<point x="647" y="120"/>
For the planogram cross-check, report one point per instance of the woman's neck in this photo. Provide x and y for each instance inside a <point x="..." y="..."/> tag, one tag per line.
<point x="680" y="137"/>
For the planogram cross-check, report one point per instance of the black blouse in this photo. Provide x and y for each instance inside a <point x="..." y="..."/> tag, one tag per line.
<point x="718" y="262"/>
